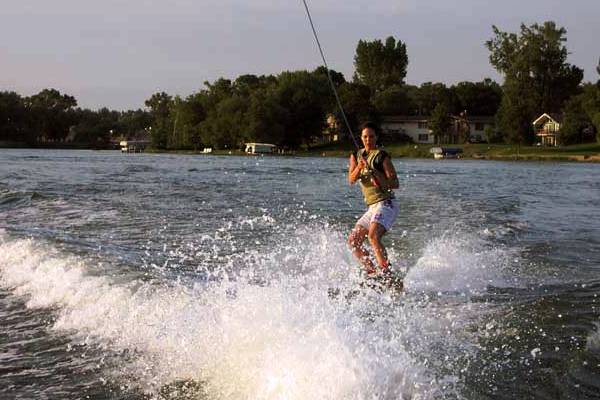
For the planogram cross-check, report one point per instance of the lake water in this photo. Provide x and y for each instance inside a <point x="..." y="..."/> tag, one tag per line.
<point x="204" y="277"/>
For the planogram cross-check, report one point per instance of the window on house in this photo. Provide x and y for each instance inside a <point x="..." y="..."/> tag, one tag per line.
<point x="479" y="126"/>
<point x="422" y="125"/>
<point x="423" y="137"/>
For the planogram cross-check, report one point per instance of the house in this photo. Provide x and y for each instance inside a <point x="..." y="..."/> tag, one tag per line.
<point x="133" y="146"/>
<point x="135" y="143"/>
<point x="331" y="132"/>
<point x="395" y="127"/>
<point x="547" y="128"/>
<point x="463" y="128"/>
<point x="478" y="125"/>
<point x="260" y="148"/>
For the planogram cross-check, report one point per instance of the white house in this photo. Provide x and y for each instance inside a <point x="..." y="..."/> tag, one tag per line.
<point x="331" y="133"/>
<point x="478" y="125"/>
<point x="417" y="127"/>
<point x="260" y="148"/>
<point x="546" y="128"/>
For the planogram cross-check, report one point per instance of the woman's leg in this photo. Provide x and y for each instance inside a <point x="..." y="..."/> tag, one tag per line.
<point x="355" y="240"/>
<point x="375" y="233"/>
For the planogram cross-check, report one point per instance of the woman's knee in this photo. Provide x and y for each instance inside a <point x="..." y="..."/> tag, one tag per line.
<point x="356" y="238"/>
<point x="351" y="240"/>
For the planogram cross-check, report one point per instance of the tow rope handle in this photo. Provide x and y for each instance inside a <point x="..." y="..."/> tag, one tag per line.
<point x="371" y="171"/>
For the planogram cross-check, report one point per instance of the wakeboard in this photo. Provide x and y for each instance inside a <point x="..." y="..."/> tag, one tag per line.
<point x="390" y="283"/>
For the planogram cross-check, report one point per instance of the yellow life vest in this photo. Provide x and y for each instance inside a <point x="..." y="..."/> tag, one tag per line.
<point x="372" y="193"/>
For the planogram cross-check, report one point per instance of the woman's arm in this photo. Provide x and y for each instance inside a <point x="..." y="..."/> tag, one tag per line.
<point x="388" y="179"/>
<point x="354" y="169"/>
<point x="390" y="174"/>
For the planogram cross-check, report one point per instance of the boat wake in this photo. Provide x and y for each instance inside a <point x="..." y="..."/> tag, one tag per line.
<point x="267" y="329"/>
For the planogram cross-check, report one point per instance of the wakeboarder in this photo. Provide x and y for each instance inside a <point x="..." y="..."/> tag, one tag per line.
<point x="372" y="167"/>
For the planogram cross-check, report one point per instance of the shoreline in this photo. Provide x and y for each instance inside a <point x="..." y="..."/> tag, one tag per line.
<point x="588" y="153"/>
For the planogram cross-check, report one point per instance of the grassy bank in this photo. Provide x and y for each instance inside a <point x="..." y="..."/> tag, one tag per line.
<point x="584" y="152"/>
<point x="589" y="152"/>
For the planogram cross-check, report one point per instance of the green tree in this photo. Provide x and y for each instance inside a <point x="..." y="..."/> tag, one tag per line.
<point x="591" y="103"/>
<point x="189" y="115"/>
<point x="266" y="118"/>
<point x="218" y="90"/>
<point x="492" y="135"/>
<point x="307" y="98"/>
<point x="50" y="113"/>
<point x="162" y="124"/>
<point x="215" y="105"/>
<point x="431" y="94"/>
<point x="440" y="122"/>
<point x="225" y="111"/>
<point x="94" y="128"/>
<point x="133" y="122"/>
<point x="356" y="99"/>
<point x="596" y="122"/>
<point x="378" y="65"/>
<point x="245" y="85"/>
<point x="477" y="98"/>
<point x="224" y="126"/>
<point x="537" y="77"/>
<point x="515" y="115"/>
<point x="581" y="116"/>
<point x="337" y="77"/>
<point x="577" y="126"/>
<point x="395" y="100"/>
<point x="14" y="121"/>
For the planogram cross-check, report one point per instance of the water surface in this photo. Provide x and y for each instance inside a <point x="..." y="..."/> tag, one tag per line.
<point x="175" y="276"/>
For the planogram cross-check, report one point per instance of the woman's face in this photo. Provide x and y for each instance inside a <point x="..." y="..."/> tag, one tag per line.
<point x="369" y="138"/>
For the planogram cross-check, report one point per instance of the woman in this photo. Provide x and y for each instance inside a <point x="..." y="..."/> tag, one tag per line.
<point x="373" y="169"/>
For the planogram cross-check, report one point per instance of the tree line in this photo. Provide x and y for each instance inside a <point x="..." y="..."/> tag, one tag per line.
<point x="290" y="109"/>
<point x="538" y="79"/>
<point x="50" y="118"/>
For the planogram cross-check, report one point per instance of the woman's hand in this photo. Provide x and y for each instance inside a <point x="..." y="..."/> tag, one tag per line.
<point x="355" y="168"/>
<point x="362" y="164"/>
<point x="378" y="179"/>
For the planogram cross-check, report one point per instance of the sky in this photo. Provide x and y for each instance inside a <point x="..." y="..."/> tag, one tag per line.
<point x="117" y="53"/>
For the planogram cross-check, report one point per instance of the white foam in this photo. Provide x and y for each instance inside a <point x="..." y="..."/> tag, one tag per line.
<point x="593" y="340"/>
<point x="458" y="262"/>
<point x="285" y="339"/>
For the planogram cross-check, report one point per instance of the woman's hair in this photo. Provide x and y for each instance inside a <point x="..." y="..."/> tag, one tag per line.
<point x="375" y="127"/>
<point x="370" y="125"/>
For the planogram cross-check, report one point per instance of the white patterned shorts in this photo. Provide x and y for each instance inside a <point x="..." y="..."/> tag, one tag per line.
<point x="383" y="213"/>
